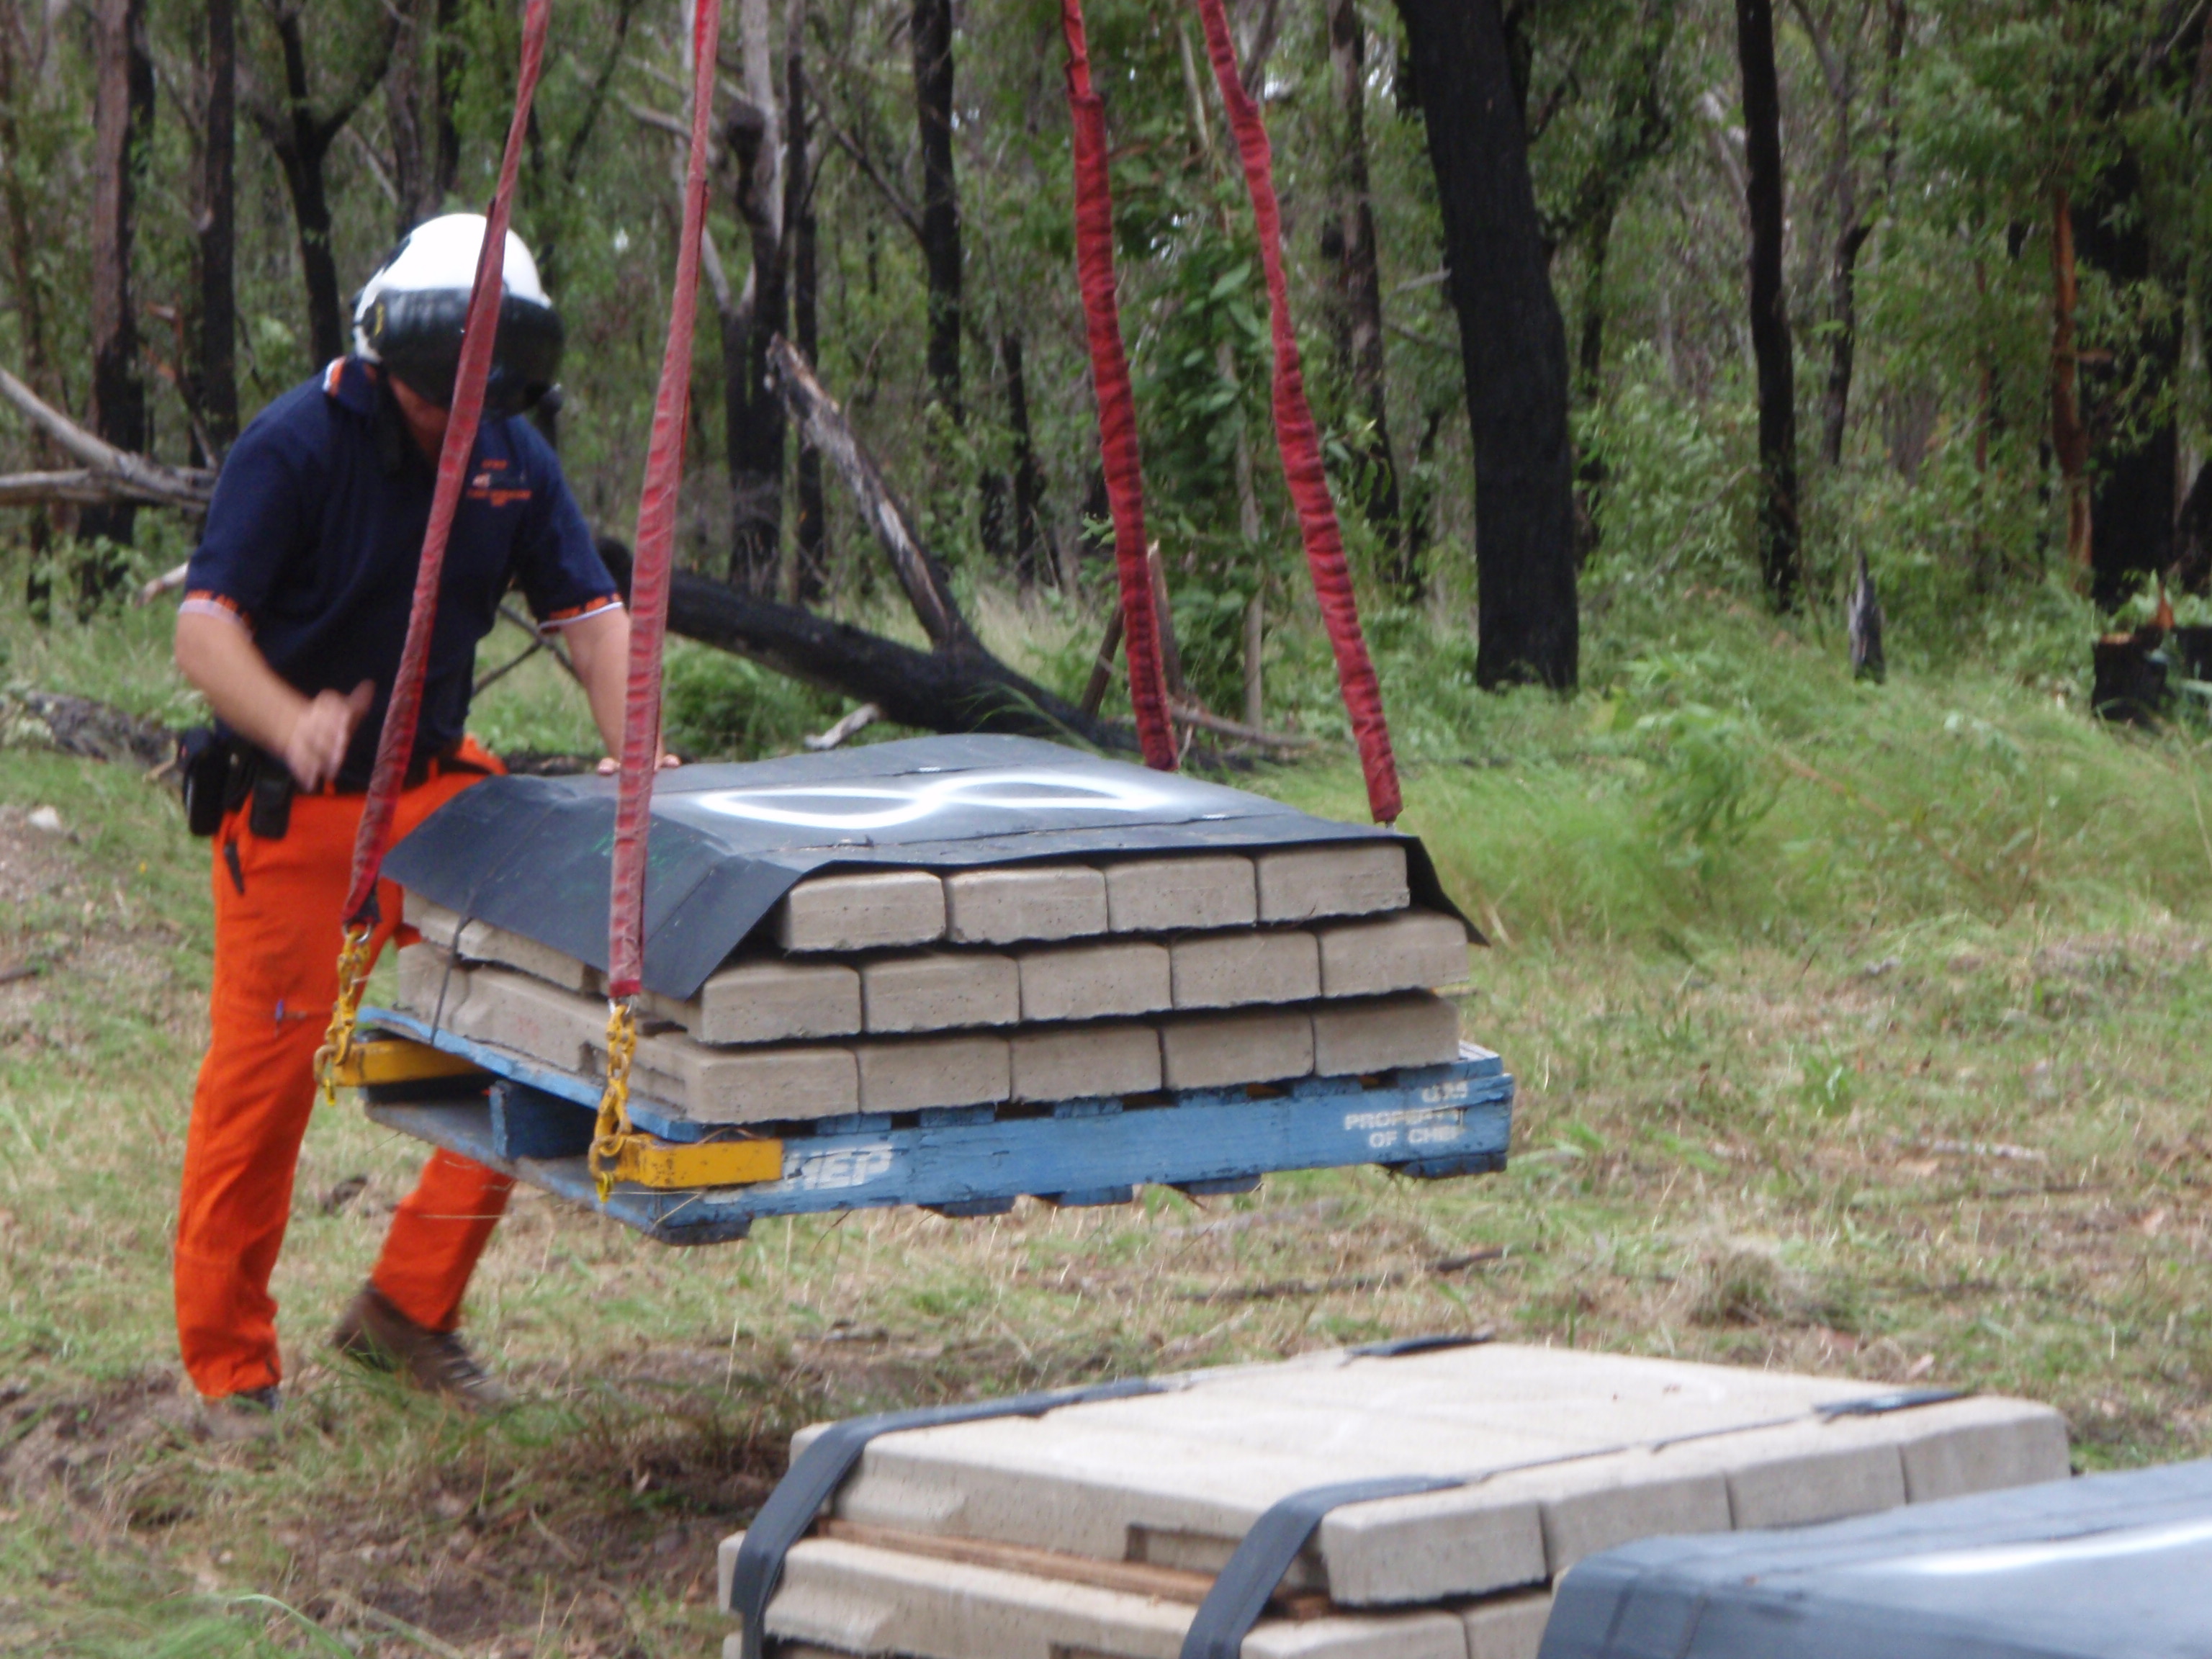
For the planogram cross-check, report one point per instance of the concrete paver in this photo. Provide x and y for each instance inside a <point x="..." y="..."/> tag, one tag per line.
<point x="1210" y="1051"/>
<point x="746" y="1086"/>
<point x="1414" y="951"/>
<point x="1353" y="1039"/>
<point x="1230" y="970"/>
<point x="869" y="911"/>
<point x="1344" y="878"/>
<point x="940" y="990"/>
<point x="1165" y="896"/>
<point x="768" y="1001"/>
<point x="1507" y="1627"/>
<point x="917" y="1073"/>
<point x="431" y="983"/>
<point x="1095" y="982"/>
<point x="1078" y="1062"/>
<point x="1009" y="904"/>
<point x="520" y="1012"/>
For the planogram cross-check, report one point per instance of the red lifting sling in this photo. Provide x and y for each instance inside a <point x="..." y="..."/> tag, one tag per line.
<point x="648" y="600"/>
<point x="395" y="747"/>
<point x="1117" y="404"/>
<point x="1299" y="443"/>
<point x="1294" y="424"/>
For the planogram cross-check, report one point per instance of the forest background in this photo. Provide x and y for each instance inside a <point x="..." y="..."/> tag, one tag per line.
<point x="1971" y="351"/>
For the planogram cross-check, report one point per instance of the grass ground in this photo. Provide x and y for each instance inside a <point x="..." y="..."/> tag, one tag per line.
<point x="1856" y="1031"/>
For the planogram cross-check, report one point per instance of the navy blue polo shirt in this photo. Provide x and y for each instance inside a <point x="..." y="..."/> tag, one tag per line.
<point x="315" y="534"/>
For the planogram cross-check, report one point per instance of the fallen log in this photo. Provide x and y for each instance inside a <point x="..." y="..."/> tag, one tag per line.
<point x="960" y="691"/>
<point x="949" y="691"/>
<point x="121" y="475"/>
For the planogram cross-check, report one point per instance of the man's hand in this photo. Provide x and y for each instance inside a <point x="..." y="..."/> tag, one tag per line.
<point x="316" y="746"/>
<point x="609" y="765"/>
<point x="218" y="656"/>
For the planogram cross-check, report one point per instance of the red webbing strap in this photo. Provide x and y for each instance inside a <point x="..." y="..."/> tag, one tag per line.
<point x="1117" y="403"/>
<point x="395" y="748"/>
<point x="656" y="542"/>
<point x="1300" y="444"/>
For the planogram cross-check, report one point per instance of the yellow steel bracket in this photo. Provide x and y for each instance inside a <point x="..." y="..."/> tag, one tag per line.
<point x="337" y="1050"/>
<point x="650" y="1161"/>
<point x="373" y="1060"/>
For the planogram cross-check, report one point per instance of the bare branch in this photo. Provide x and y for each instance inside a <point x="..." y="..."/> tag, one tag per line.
<point x="145" y="479"/>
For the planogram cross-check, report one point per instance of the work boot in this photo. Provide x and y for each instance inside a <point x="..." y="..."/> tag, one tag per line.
<point x="249" y="1414"/>
<point x="378" y="1335"/>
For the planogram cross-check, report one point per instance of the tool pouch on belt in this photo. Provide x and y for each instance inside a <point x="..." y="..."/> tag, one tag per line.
<point x="210" y="764"/>
<point x="222" y="774"/>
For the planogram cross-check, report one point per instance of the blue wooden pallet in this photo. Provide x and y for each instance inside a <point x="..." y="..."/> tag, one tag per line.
<point x="534" y="1123"/>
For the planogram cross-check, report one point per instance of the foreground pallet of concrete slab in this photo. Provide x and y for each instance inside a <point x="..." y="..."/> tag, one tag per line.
<point x="1562" y="1455"/>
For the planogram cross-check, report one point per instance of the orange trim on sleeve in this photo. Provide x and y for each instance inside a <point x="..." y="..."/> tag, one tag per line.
<point x="557" y="620"/>
<point x="205" y="602"/>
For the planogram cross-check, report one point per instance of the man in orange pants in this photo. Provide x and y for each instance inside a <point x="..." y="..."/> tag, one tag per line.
<point x="295" y="610"/>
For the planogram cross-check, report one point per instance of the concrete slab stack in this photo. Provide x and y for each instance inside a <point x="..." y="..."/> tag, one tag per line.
<point x="1096" y="1528"/>
<point x="1007" y="985"/>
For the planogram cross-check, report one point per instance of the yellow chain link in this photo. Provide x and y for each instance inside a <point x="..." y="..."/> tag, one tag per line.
<point x="338" y="1042"/>
<point x="613" y="1130"/>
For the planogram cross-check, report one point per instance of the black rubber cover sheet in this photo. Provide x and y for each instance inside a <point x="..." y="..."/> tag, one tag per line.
<point x="2111" y="1566"/>
<point x="531" y="855"/>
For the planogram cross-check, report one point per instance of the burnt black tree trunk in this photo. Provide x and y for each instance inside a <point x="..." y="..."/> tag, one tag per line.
<point x="932" y="28"/>
<point x="216" y="372"/>
<point x="1589" y="378"/>
<point x="1029" y="482"/>
<point x="1513" y="345"/>
<point x="301" y="131"/>
<point x="1780" y="559"/>
<point x="1361" y="292"/>
<point x="757" y="435"/>
<point x="810" y="533"/>
<point x="2125" y="396"/>
<point x="122" y="124"/>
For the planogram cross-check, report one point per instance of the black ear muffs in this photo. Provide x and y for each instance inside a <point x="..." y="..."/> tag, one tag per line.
<point x="417" y="334"/>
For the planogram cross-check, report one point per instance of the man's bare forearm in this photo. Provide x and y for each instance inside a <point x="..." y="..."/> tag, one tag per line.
<point x="220" y="659"/>
<point x="599" y="647"/>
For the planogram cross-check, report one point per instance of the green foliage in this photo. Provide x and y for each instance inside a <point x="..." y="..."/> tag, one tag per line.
<point x="723" y="708"/>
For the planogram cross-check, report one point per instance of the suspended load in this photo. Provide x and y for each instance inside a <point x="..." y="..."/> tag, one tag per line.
<point x="949" y="971"/>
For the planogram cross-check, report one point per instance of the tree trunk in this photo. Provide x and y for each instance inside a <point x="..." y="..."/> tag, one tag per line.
<point x="1029" y="482"/>
<point x="932" y="29"/>
<point x="301" y="133"/>
<point x="1589" y="379"/>
<point x="1512" y="343"/>
<point x="123" y="125"/>
<point x="922" y="575"/>
<point x="1781" y="560"/>
<point x="1844" y="325"/>
<point x="27" y="292"/>
<point x="2070" y="437"/>
<point x="811" y="531"/>
<point x="757" y="435"/>
<point x="217" y="375"/>
<point x="1361" y="292"/>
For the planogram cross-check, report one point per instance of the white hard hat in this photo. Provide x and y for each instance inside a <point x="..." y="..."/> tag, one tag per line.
<point x="411" y="312"/>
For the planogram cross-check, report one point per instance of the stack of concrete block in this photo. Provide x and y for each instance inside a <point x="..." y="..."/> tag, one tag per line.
<point x="909" y="990"/>
<point x="1097" y="1529"/>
